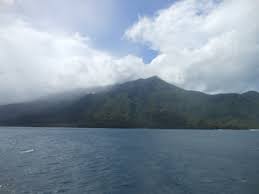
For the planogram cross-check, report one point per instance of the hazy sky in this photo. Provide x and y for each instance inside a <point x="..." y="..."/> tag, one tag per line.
<point x="48" y="46"/>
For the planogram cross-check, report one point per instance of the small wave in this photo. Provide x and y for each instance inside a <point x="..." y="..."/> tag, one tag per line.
<point x="243" y="180"/>
<point x="207" y="181"/>
<point x="27" y="151"/>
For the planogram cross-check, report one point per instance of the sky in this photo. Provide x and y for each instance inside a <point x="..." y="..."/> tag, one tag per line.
<point x="48" y="46"/>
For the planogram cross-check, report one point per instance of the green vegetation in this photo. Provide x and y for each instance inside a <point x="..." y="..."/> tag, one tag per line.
<point x="144" y="103"/>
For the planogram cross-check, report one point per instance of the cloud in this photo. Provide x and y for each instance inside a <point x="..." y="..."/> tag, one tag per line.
<point x="211" y="46"/>
<point x="6" y="2"/>
<point x="78" y="15"/>
<point x="34" y="62"/>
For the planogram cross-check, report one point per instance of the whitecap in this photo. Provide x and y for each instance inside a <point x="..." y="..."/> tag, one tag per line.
<point x="27" y="151"/>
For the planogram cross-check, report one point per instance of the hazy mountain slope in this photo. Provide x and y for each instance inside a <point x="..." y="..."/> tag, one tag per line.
<point x="50" y="103"/>
<point x="149" y="103"/>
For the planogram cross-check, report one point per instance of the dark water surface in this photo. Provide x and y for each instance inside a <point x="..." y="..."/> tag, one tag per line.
<point x="128" y="161"/>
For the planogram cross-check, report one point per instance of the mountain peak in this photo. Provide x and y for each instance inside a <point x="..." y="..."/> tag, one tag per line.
<point x="156" y="81"/>
<point x="153" y="79"/>
<point x="153" y="83"/>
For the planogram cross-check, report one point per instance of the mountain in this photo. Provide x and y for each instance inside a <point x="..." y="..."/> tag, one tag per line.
<point x="143" y="103"/>
<point x="45" y="104"/>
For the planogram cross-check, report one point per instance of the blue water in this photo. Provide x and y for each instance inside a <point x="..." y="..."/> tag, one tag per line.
<point x="128" y="161"/>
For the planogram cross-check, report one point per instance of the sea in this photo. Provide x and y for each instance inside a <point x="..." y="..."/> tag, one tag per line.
<point x="128" y="161"/>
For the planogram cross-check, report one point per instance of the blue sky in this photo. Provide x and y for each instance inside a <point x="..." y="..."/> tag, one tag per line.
<point x="108" y="29"/>
<point x="105" y="29"/>
<point x="48" y="46"/>
<point x="128" y="14"/>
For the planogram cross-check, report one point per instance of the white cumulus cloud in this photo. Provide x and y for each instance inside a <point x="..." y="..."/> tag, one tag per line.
<point x="204" y="45"/>
<point x="34" y="62"/>
<point x="6" y="2"/>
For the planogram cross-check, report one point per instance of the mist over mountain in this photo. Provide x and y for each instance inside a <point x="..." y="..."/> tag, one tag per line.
<point x="210" y="46"/>
<point x="143" y="103"/>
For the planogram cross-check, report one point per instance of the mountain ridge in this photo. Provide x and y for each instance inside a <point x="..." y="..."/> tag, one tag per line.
<point x="147" y="103"/>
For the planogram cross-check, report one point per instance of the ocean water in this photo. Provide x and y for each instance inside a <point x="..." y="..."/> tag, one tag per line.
<point x="128" y="161"/>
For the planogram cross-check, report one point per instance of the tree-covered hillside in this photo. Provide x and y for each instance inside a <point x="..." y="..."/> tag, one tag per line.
<point x="147" y="103"/>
